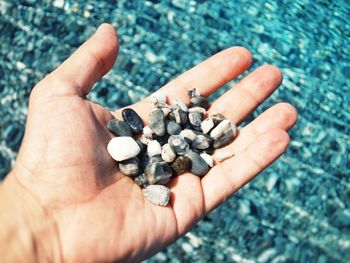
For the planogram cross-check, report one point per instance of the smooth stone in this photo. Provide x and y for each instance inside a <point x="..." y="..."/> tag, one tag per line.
<point x="200" y="101"/>
<point x="123" y="148"/>
<point x="157" y="172"/>
<point x="195" y="119"/>
<point x="156" y="122"/>
<point x="188" y="134"/>
<point x="179" y="104"/>
<point x="179" y="116"/>
<point x="199" y="166"/>
<point x="166" y="111"/>
<point x="147" y="131"/>
<point x="224" y="140"/>
<point x="143" y="147"/>
<point x="158" y="98"/>
<point x="168" y="154"/>
<point x="181" y="165"/>
<point x="223" y="134"/>
<point x="178" y="144"/>
<point x="157" y="194"/>
<point x="198" y="110"/>
<point x="133" y="119"/>
<point x="162" y="139"/>
<point x="193" y="93"/>
<point x="173" y="128"/>
<point x="207" y="125"/>
<point x="208" y="159"/>
<point x="145" y="139"/>
<point x="217" y="118"/>
<point x="141" y="181"/>
<point x="202" y="142"/>
<point x="119" y="128"/>
<point x="154" y="148"/>
<point x="155" y="159"/>
<point x="130" y="167"/>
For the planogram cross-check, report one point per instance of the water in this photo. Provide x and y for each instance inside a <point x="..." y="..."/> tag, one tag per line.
<point x="299" y="209"/>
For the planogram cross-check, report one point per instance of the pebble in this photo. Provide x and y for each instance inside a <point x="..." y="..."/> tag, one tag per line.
<point x="178" y="144"/>
<point x="195" y="119"/>
<point x="181" y="165"/>
<point x="166" y="111"/>
<point x="123" y="148"/>
<point x="208" y="159"/>
<point x="158" y="98"/>
<point x="147" y="131"/>
<point x="141" y="181"/>
<point x="168" y="154"/>
<point x="199" y="166"/>
<point x="201" y="142"/>
<point x="133" y="119"/>
<point x="119" y="128"/>
<point x="173" y="128"/>
<point x="198" y="110"/>
<point x="200" y="101"/>
<point x="158" y="172"/>
<point x="156" y="122"/>
<point x="154" y="148"/>
<point x="223" y="134"/>
<point x="130" y="167"/>
<point x="143" y="147"/>
<point x="145" y="139"/>
<point x="217" y="118"/>
<point x="179" y="116"/>
<point x="207" y="125"/>
<point x="179" y="104"/>
<point x="188" y="135"/>
<point x="157" y="194"/>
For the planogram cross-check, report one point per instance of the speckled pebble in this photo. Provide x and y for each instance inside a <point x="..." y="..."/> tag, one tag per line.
<point x="178" y="144"/>
<point x="223" y="134"/>
<point x="156" y="122"/>
<point x="188" y="134"/>
<point x="158" y="172"/>
<point x="130" y="167"/>
<point x="195" y="119"/>
<point x="141" y="181"/>
<point x="168" y="153"/>
<point x="157" y="194"/>
<point x="202" y="142"/>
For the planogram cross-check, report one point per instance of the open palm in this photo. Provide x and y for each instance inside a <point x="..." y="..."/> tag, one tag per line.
<point x="100" y="214"/>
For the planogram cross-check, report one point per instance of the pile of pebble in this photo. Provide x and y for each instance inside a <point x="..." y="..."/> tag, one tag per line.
<point x="178" y="139"/>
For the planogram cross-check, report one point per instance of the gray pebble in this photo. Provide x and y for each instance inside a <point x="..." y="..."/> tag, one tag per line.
<point x="157" y="194"/>
<point x="173" y="128"/>
<point x="199" y="166"/>
<point x="156" y="122"/>
<point x="178" y="144"/>
<point x="200" y="101"/>
<point x="188" y="134"/>
<point x="223" y="134"/>
<point x="133" y="119"/>
<point x="119" y="128"/>
<point x="179" y="116"/>
<point x="168" y="154"/>
<point x="202" y="142"/>
<point x="130" y="167"/>
<point x="198" y="110"/>
<point x="158" y="172"/>
<point x="207" y="125"/>
<point x="145" y="139"/>
<point x="141" y="181"/>
<point x="195" y="119"/>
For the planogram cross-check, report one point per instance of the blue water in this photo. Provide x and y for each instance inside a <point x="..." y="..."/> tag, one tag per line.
<point x="296" y="211"/>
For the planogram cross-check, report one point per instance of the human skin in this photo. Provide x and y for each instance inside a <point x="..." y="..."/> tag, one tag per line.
<point x="65" y="199"/>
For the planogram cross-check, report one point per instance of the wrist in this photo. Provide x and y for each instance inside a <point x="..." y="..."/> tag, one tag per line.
<point x="27" y="232"/>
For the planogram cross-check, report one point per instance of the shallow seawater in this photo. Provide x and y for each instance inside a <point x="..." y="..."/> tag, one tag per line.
<point x="298" y="210"/>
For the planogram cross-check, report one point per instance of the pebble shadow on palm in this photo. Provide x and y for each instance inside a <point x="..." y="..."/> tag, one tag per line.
<point x="101" y="214"/>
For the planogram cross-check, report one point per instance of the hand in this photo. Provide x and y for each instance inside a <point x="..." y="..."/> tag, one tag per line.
<point x="95" y="213"/>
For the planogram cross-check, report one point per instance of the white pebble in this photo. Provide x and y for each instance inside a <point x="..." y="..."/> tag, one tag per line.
<point x="207" y="125"/>
<point x="188" y="134"/>
<point x="208" y="159"/>
<point x="157" y="194"/>
<point x="123" y="148"/>
<point x="222" y="128"/>
<point x="158" y="98"/>
<point x="147" y="131"/>
<point x="154" y="148"/>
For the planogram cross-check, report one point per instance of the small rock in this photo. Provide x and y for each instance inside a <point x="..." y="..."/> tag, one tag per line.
<point x="162" y="139"/>
<point x="207" y="125"/>
<point x="181" y="165"/>
<point x="133" y="119"/>
<point x="145" y="139"/>
<point x="141" y="181"/>
<point x="119" y="128"/>
<point x="123" y="148"/>
<point x="200" y="101"/>
<point x="199" y="166"/>
<point x="154" y="148"/>
<point x="130" y="167"/>
<point x="147" y="131"/>
<point x="201" y="142"/>
<point x="178" y="144"/>
<point x="173" y="128"/>
<point x="168" y="154"/>
<point x="156" y="122"/>
<point x="158" y="98"/>
<point x="217" y="118"/>
<point x="223" y="134"/>
<point x="193" y="93"/>
<point x="195" y="119"/>
<point x="179" y="104"/>
<point x="188" y="135"/>
<point x="157" y="194"/>
<point x="179" y="116"/>
<point x="208" y="159"/>
<point x="199" y="110"/>
<point x="155" y="159"/>
<point x="166" y="111"/>
<point x="158" y="172"/>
